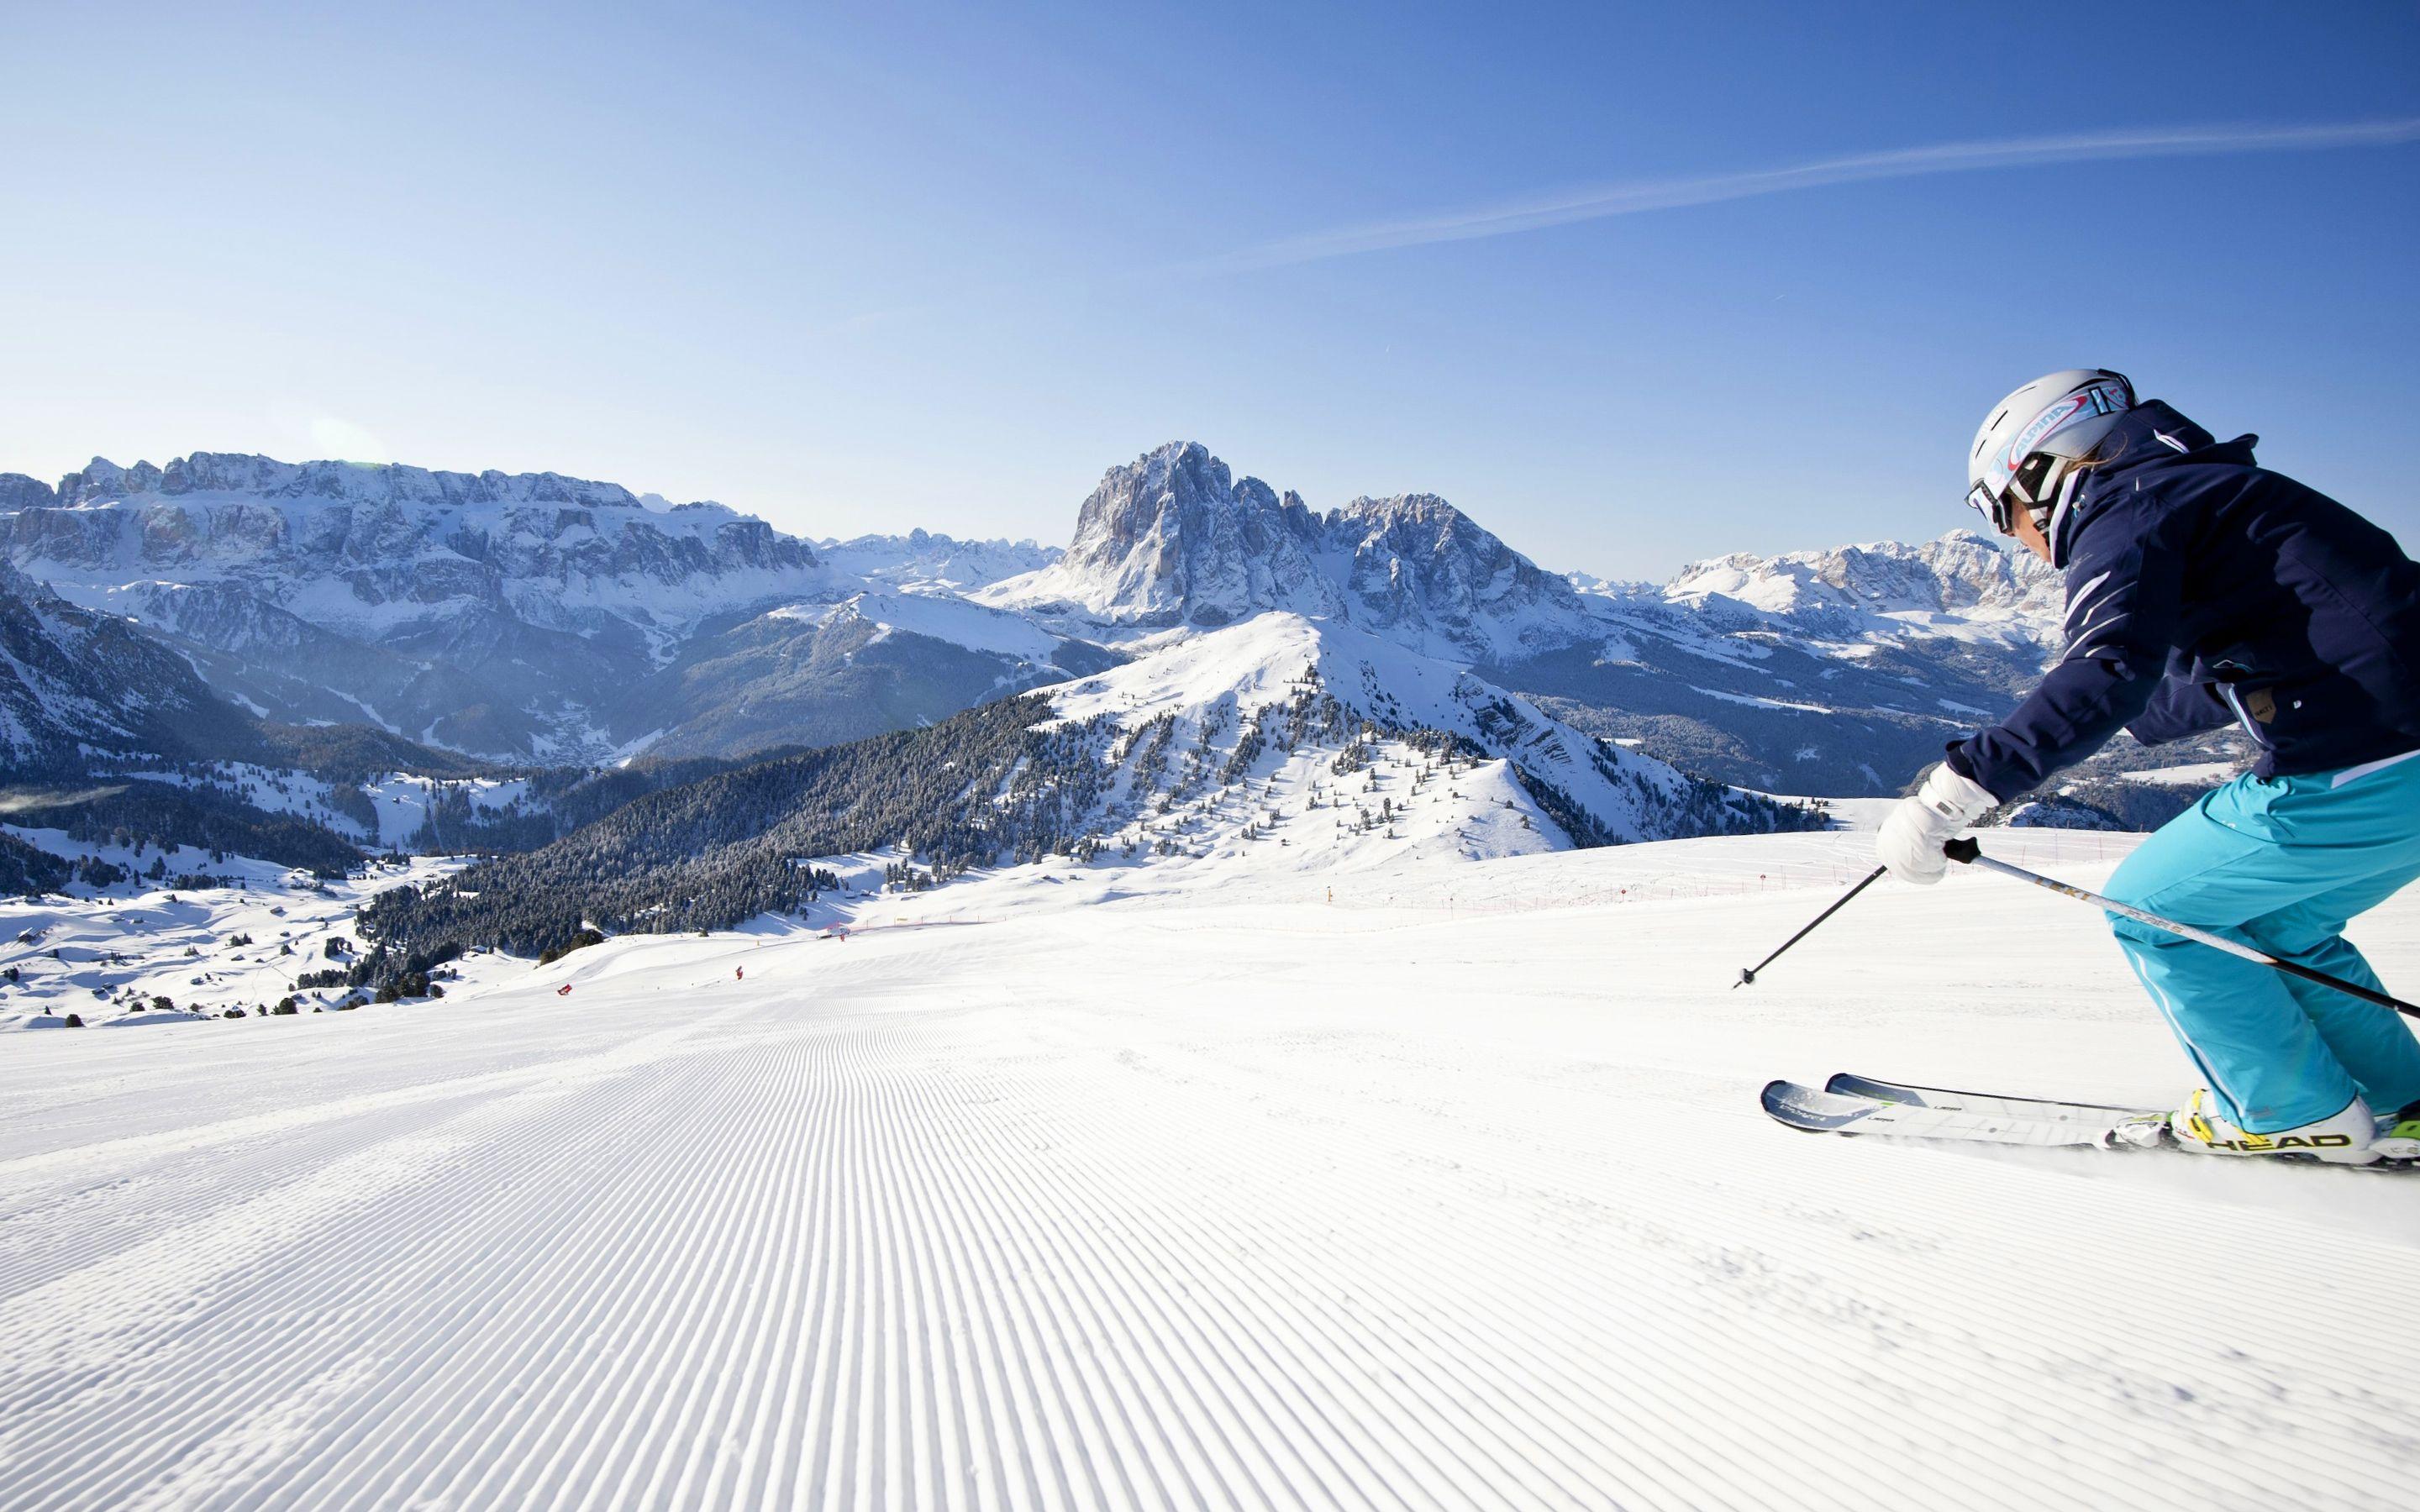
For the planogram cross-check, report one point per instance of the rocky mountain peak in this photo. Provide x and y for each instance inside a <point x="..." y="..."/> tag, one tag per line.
<point x="1417" y="560"/>
<point x="18" y="491"/>
<point x="1176" y="538"/>
<point x="1173" y="537"/>
<point x="1163" y="496"/>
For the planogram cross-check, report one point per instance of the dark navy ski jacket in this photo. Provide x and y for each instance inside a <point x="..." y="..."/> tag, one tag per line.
<point x="2204" y="590"/>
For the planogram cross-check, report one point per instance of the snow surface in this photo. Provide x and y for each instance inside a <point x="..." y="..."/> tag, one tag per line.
<point x="2193" y="774"/>
<point x="105" y="955"/>
<point x="1450" y="1192"/>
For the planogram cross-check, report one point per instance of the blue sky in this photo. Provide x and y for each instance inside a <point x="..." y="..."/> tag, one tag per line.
<point x="862" y="268"/>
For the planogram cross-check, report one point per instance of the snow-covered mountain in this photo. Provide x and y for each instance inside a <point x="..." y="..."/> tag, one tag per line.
<point x="1278" y="740"/>
<point x="1174" y="539"/>
<point x="1838" y="671"/>
<point x="1234" y="734"/>
<point x="77" y="686"/>
<point x="529" y="616"/>
<point x="1835" y="671"/>
<point x="374" y="551"/>
<point x="922" y="559"/>
<point x="488" y="612"/>
<point x="539" y="617"/>
<point x="1960" y="586"/>
<point x="816" y="673"/>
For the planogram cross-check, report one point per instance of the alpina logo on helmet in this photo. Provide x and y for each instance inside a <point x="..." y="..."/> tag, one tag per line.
<point x="2099" y="399"/>
<point x="2043" y="427"/>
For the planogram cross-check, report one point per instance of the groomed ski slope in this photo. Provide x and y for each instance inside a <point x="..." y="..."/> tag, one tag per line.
<point x="1228" y="1197"/>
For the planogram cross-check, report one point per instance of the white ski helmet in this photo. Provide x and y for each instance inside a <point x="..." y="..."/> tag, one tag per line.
<point x="2031" y="440"/>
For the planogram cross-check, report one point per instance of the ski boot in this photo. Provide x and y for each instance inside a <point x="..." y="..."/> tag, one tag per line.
<point x="2347" y="1139"/>
<point x="2398" y="1136"/>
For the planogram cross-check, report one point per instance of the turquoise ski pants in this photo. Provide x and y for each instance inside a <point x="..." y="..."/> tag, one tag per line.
<point x="2280" y="863"/>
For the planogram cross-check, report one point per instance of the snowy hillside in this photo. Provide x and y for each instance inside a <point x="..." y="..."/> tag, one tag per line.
<point x="77" y="686"/>
<point x="819" y="673"/>
<point x="1450" y="1192"/>
<point x="143" y="954"/>
<point x="1311" y="743"/>
<point x="938" y="616"/>
<point x="1291" y="712"/>
<point x="390" y="810"/>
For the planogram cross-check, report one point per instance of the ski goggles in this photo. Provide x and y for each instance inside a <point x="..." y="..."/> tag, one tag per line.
<point x="2027" y="488"/>
<point x="1980" y="500"/>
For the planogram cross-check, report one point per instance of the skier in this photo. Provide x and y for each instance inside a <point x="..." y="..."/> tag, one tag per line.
<point x="2202" y="589"/>
<point x="739" y="973"/>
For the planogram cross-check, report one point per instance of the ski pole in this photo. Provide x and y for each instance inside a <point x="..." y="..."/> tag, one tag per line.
<point x="1748" y="973"/>
<point x="1967" y="851"/>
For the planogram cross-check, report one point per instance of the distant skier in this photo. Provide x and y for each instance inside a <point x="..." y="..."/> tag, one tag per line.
<point x="2201" y="589"/>
<point x="739" y="973"/>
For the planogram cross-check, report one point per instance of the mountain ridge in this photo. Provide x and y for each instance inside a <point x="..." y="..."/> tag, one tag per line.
<point x="537" y="617"/>
<point x="491" y="612"/>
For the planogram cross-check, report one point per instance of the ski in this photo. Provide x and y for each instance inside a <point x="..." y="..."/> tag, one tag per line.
<point x="1833" y="1112"/>
<point x="1972" y="1118"/>
<point x="1850" y="1085"/>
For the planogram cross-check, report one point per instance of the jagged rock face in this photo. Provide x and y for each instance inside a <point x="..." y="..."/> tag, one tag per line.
<point x="18" y="491"/>
<point x="1174" y="539"/>
<point x="359" y="482"/>
<point x="556" y="551"/>
<point x="1418" y="563"/>
<point x="487" y="610"/>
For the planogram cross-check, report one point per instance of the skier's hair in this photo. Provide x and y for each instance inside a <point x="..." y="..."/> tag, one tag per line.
<point x="2106" y="450"/>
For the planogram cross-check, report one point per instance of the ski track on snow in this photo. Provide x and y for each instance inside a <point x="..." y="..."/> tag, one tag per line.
<point x="1156" y="1208"/>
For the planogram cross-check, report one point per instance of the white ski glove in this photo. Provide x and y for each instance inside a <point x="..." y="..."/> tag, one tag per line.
<point x="1926" y="820"/>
